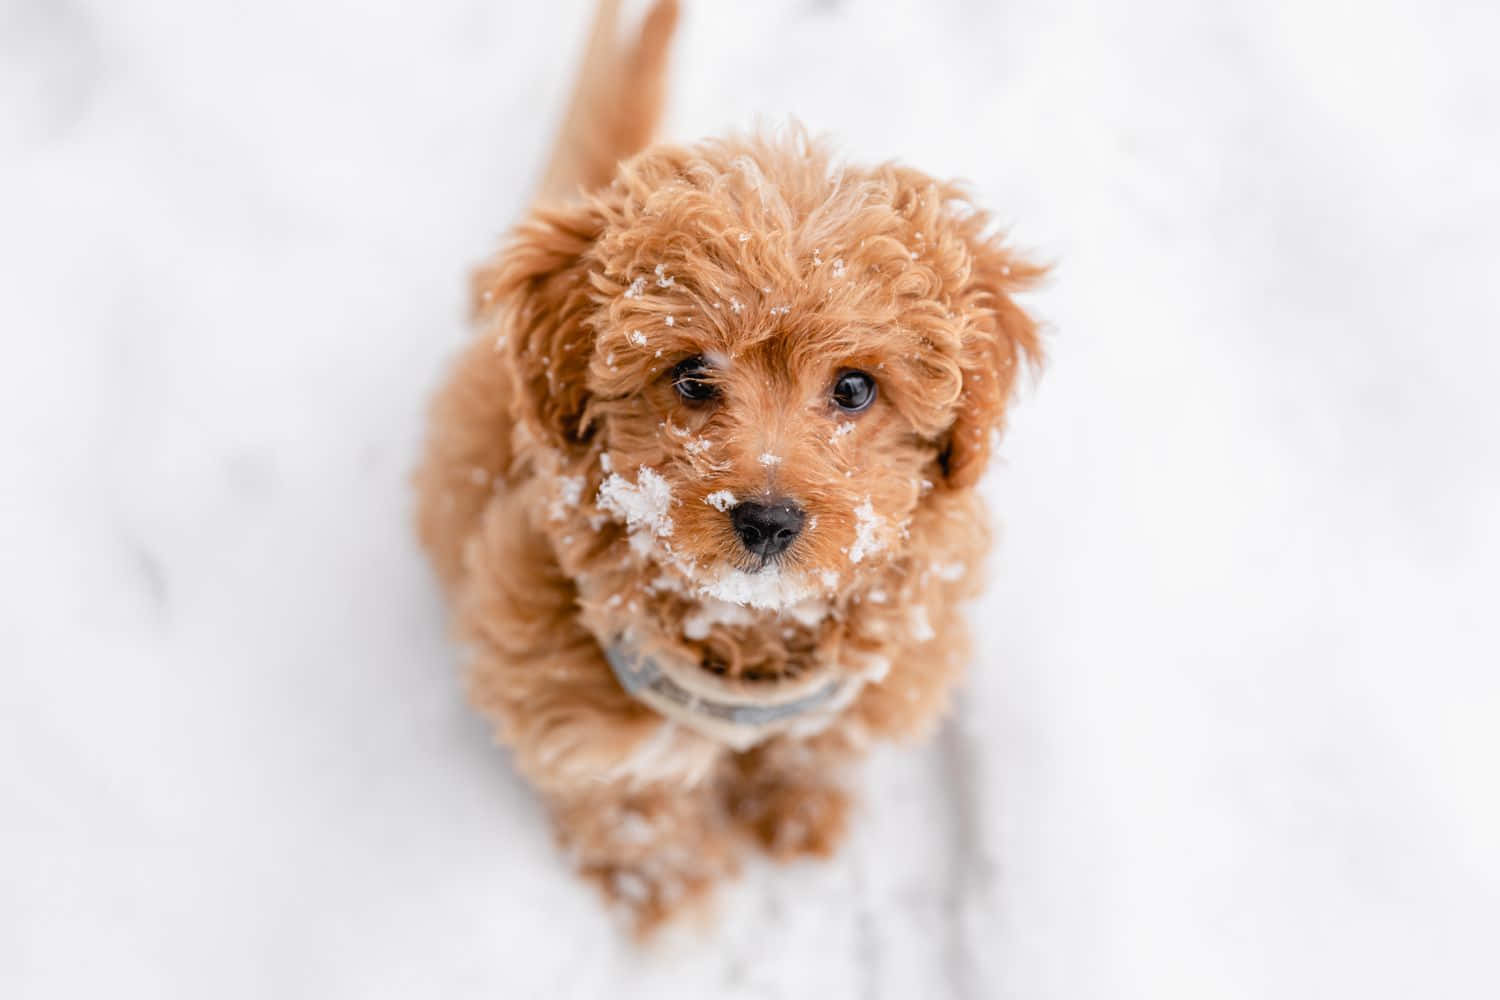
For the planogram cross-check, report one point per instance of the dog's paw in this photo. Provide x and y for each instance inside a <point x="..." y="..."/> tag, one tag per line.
<point x="794" y="820"/>
<point x="651" y="894"/>
<point x="655" y="857"/>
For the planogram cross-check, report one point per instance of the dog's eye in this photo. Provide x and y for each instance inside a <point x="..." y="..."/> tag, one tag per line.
<point x="690" y="381"/>
<point x="853" y="391"/>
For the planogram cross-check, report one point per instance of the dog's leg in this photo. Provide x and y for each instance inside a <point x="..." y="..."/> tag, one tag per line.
<point x="655" y="852"/>
<point x="788" y="796"/>
<point x="632" y="794"/>
<point x="541" y="677"/>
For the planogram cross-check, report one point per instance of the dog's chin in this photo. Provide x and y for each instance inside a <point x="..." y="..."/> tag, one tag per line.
<point x="770" y="588"/>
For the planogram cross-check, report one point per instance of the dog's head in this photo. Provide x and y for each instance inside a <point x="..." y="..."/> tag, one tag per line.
<point x="777" y="360"/>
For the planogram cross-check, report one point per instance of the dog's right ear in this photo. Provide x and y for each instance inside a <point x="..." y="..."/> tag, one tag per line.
<point x="536" y="297"/>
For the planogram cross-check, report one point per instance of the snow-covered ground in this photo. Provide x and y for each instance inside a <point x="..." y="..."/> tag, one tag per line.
<point x="1236" y="725"/>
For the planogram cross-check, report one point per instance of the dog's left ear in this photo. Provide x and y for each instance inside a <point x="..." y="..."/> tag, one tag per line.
<point x="1000" y="340"/>
<point x="537" y="296"/>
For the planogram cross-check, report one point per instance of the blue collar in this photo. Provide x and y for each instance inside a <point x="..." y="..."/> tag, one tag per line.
<point x="738" y="723"/>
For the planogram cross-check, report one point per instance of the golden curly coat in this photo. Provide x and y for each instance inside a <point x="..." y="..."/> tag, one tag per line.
<point x="572" y="499"/>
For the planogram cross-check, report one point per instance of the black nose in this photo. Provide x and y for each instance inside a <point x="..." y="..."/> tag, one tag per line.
<point x="767" y="529"/>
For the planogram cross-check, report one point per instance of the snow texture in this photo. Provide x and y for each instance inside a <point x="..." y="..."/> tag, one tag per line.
<point x="1229" y="728"/>
<point x="645" y="506"/>
<point x="569" y="492"/>
<point x="771" y="588"/>
<point x="949" y="571"/>
<point x="697" y="623"/>
<point x="720" y="500"/>
<point x="867" y="525"/>
<point x="921" y="625"/>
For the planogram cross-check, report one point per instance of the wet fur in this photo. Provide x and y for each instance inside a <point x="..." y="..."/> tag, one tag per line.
<point x="786" y="267"/>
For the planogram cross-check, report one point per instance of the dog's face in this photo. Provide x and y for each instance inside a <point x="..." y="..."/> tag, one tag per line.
<point x="777" y="361"/>
<point x="781" y="427"/>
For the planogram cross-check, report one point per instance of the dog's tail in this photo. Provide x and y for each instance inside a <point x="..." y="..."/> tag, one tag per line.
<point x="616" y="104"/>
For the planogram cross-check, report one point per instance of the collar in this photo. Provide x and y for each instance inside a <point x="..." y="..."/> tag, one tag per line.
<point x="723" y="710"/>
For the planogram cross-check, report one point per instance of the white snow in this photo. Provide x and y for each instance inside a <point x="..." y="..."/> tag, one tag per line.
<point x="921" y="625"/>
<point x="770" y="588"/>
<point x="949" y="571"/>
<point x="720" y="500"/>
<point x="710" y="611"/>
<point x="809" y="612"/>
<point x="877" y="668"/>
<point x="867" y="528"/>
<point x="569" y="492"/>
<point x="1229" y="728"/>
<point x="769" y="459"/>
<point x="631" y="885"/>
<point x="634" y="828"/>
<point x="637" y="337"/>
<point x="644" y="506"/>
<point x="637" y="289"/>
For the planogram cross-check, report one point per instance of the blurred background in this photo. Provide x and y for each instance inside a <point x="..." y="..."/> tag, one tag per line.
<point x="1234" y="726"/>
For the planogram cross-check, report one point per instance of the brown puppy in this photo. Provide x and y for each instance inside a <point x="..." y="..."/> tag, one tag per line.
<point x="702" y="488"/>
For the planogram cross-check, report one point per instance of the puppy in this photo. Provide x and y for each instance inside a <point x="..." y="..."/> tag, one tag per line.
<point x="701" y="490"/>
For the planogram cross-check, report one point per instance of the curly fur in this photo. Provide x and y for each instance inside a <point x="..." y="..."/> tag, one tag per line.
<point x="569" y="497"/>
